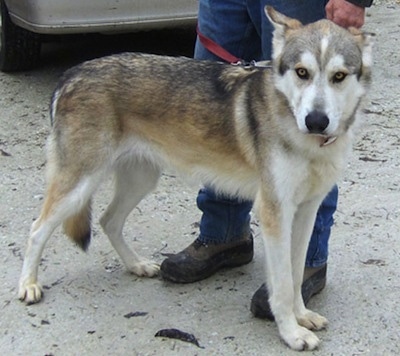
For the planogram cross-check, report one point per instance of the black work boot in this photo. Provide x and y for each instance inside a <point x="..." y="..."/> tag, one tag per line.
<point x="313" y="283"/>
<point x="199" y="261"/>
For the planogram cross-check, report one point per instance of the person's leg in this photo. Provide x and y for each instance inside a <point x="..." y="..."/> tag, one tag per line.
<point x="224" y="219"/>
<point x="225" y="239"/>
<point x="317" y="254"/>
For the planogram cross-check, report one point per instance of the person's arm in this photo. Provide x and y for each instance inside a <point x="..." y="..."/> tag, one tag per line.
<point x="347" y="13"/>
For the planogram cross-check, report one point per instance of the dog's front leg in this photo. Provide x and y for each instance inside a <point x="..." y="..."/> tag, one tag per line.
<point x="303" y="224"/>
<point x="276" y="223"/>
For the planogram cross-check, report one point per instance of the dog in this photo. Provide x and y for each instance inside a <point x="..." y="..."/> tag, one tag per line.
<point x="278" y="136"/>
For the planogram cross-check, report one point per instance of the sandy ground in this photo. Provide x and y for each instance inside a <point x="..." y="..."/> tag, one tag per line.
<point x="88" y="296"/>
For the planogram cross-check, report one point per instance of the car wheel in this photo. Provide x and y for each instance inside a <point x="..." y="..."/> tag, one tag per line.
<point x="19" y="48"/>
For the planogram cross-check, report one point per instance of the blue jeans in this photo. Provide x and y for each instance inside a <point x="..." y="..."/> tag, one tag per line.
<point x="241" y="28"/>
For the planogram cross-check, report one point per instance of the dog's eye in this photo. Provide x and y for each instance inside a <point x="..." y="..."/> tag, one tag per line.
<point x="339" y="77"/>
<point x="302" y="73"/>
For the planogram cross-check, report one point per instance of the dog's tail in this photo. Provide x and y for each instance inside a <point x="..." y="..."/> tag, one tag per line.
<point x="78" y="226"/>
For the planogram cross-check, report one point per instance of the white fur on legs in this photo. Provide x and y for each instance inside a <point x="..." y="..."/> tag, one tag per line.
<point x="54" y="212"/>
<point x="303" y="223"/>
<point x="30" y="289"/>
<point x="133" y="181"/>
<point x="282" y="300"/>
<point x="277" y="243"/>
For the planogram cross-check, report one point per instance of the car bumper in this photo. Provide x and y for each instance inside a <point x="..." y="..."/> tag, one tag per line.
<point x="106" y="16"/>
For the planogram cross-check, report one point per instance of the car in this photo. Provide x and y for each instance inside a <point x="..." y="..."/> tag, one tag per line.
<point x="26" y="22"/>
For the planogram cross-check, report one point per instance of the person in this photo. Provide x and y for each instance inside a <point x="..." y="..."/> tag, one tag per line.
<point x="225" y="240"/>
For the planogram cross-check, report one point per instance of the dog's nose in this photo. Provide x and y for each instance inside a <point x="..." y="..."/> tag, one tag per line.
<point x="317" y="122"/>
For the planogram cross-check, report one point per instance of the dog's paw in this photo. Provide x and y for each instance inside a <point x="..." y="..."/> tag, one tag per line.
<point x="145" y="268"/>
<point x="312" y="320"/>
<point x="30" y="293"/>
<point x="301" y="339"/>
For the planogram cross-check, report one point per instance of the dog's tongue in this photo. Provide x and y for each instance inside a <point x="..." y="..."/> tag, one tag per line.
<point x="325" y="141"/>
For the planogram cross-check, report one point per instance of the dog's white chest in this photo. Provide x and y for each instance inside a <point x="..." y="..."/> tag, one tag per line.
<point x="298" y="179"/>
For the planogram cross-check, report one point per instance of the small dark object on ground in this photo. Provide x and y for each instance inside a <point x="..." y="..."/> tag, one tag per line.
<point x="134" y="314"/>
<point x="179" y="335"/>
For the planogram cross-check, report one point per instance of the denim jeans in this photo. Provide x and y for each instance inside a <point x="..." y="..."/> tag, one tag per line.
<point x="241" y="28"/>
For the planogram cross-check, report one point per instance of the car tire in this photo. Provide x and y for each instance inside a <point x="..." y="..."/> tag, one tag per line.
<point x="19" y="48"/>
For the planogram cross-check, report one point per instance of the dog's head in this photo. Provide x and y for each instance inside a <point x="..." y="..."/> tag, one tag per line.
<point x="323" y="70"/>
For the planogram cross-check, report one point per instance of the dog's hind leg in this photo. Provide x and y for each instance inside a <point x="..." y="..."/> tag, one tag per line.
<point x="133" y="181"/>
<point x="64" y="197"/>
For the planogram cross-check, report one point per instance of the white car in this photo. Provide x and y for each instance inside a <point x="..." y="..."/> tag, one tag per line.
<point x="24" y="21"/>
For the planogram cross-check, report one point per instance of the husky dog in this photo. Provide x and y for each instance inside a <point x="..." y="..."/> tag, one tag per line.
<point x="278" y="136"/>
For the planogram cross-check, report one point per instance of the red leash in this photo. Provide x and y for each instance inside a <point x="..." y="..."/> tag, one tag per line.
<point x="216" y="49"/>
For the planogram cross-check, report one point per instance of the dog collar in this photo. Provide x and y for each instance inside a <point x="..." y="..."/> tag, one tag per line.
<point x="252" y="64"/>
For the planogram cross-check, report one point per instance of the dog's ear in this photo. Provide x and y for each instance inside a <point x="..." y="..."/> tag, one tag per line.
<point x="282" y="24"/>
<point x="365" y="43"/>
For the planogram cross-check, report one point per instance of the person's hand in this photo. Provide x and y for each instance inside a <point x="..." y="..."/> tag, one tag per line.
<point x="344" y="13"/>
